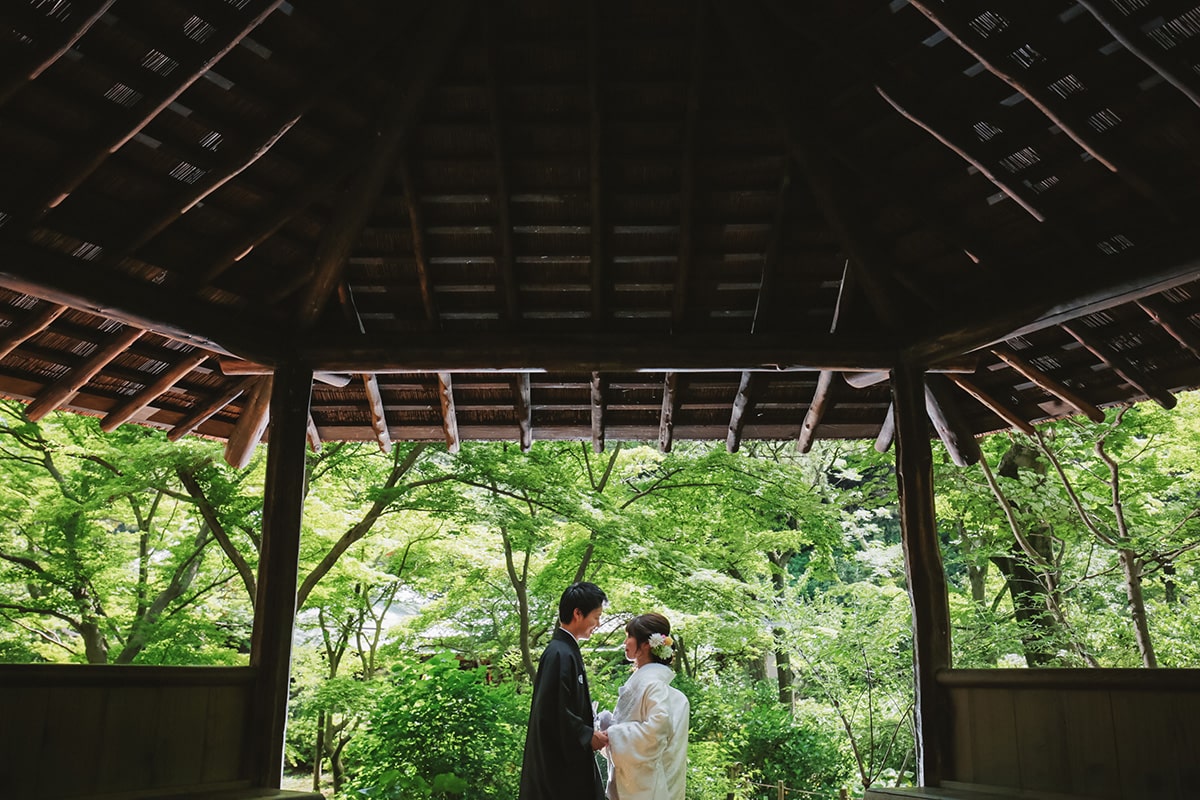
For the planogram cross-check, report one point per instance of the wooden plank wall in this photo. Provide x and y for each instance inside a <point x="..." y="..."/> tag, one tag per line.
<point x="74" y="731"/>
<point x="1109" y="734"/>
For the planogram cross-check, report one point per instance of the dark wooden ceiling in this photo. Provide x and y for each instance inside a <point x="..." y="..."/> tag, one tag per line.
<point x="612" y="220"/>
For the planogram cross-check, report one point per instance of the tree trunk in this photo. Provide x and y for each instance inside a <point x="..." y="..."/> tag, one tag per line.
<point x="783" y="662"/>
<point x="318" y="751"/>
<point x="1132" y="568"/>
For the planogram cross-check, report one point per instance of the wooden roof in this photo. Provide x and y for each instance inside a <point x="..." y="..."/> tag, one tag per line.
<point x="530" y="219"/>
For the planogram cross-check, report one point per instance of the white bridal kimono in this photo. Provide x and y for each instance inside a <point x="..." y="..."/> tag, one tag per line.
<point x="647" y="741"/>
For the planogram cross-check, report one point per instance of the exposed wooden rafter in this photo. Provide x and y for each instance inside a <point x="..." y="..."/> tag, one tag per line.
<point x="229" y="366"/>
<point x="48" y="53"/>
<point x="523" y="409"/>
<point x="16" y="335"/>
<point x="761" y="322"/>
<point x="505" y="261"/>
<point x="251" y="423"/>
<point x="88" y="161"/>
<point x="947" y="18"/>
<point x="599" y="250"/>
<point x="948" y="421"/>
<point x="1048" y="384"/>
<point x="312" y="434"/>
<point x="993" y="404"/>
<point x="597" y="403"/>
<point x="65" y="387"/>
<point x="670" y="404"/>
<point x="169" y="377"/>
<point x="1174" y="323"/>
<point x="1121" y="365"/>
<point x="416" y="221"/>
<point x="887" y="431"/>
<point x="449" y="414"/>
<point x="822" y="397"/>
<point x="378" y="413"/>
<point x="687" y="172"/>
<point x="743" y="402"/>
<point x="202" y="413"/>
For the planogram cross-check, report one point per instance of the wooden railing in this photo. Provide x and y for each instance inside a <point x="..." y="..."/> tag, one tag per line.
<point x="1116" y="734"/>
<point x="72" y="731"/>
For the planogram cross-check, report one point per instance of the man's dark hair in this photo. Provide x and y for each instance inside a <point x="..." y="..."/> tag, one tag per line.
<point x="587" y="597"/>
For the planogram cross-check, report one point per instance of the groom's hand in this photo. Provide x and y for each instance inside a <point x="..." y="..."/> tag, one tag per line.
<point x="599" y="740"/>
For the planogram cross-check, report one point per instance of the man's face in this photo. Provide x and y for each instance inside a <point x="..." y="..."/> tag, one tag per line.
<point x="582" y="626"/>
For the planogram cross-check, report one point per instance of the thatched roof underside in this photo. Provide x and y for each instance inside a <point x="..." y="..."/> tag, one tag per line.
<point x="521" y="220"/>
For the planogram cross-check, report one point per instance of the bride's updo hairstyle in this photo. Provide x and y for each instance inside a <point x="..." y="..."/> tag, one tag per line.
<point x="644" y="626"/>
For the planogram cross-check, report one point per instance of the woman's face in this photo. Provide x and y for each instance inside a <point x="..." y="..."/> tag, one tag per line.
<point x="633" y="649"/>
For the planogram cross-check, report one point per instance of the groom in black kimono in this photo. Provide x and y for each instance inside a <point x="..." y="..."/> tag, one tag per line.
<point x="559" y="749"/>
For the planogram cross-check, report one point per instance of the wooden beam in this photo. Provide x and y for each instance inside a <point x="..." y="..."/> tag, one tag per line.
<point x="337" y="352"/>
<point x="523" y="409"/>
<point x="947" y="420"/>
<point x="1048" y="384"/>
<point x="251" y="423"/>
<point x="963" y="365"/>
<point x="687" y="171"/>
<point x="238" y="366"/>
<point x="425" y="61"/>
<point x="958" y="29"/>
<point x="505" y="263"/>
<point x="766" y="285"/>
<point x="65" y="280"/>
<point x="924" y="573"/>
<point x="961" y="151"/>
<point x="449" y="414"/>
<point x="202" y="413"/>
<point x="1018" y="312"/>
<point x="62" y="389"/>
<point x="379" y="422"/>
<point x="278" y="563"/>
<point x="597" y="413"/>
<point x="87" y="162"/>
<point x="48" y="53"/>
<point x="1169" y="319"/>
<point x="313" y="435"/>
<point x="670" y="404"/>
<point x="124" y="412"/>
<point x="742" y="402"/>
<point x="821" y="399"/>
<point x="416" y="222"/>
<point x="19" y="333"/>
<point x="1115" y="29"/>
<point x="599" y="253"/>
<point x="993" y="404"/>
<point x="887" y="431"/>
<point x="1121" y="365"/>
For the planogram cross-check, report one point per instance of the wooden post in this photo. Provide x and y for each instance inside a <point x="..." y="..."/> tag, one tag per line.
<point x="275" y="604"/>
<point x="923" y="569"/>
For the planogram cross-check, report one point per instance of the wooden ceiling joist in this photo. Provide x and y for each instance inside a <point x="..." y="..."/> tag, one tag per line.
<point x="230" y="366"/>
<point x="1121" y="365"/>
<point x="65" y="387"/>
<point x="46" y="54"/>
<point x="426" y="58"/>
<point x="761" y="321"/>
<point x="948" y="421"/>
<point x="599" y="249"/>
<point x="1174" y="323"/>
<point x="670" y="404"/>
<point x="251" y="424"/>
<point x="947" y="18"/>
<point x="597" y="403"/>
<point x="203" y="413"/>
<point x="416" y="221"/>
<point x="575" y="352"/>
<point x="169" y="377"/>
<point x="449" y="414"/>
<point x="505" y="262"/>
<point x="822" y="399"/>
<point x="887" y="431"/>
<point x="152" y="105"/>
<point x="960" y="150"/>
<point x="313" y="435"/>
<point x="375" y="406"/>
<point x="523" y="409"/>
<point x="743" y="402"/>
<point x="687" y="172"/>
<point x="1000" y="409"/>
<point x="16" y="335"/>
<point x="1049" y="385"/>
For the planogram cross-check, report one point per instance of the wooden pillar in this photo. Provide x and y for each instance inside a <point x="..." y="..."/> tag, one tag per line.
<point x="275" y="605"/>
<point x="924" y="572"/>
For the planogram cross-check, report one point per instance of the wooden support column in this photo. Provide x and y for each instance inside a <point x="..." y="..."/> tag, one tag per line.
<point x="275" y="603"/>
<point x="923" y="569"/>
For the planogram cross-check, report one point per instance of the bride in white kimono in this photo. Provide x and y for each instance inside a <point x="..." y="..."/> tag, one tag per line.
<point x="647" y="737"/>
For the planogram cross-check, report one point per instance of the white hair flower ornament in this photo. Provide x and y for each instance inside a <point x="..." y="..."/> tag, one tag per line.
<point x="661" y="646"/>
